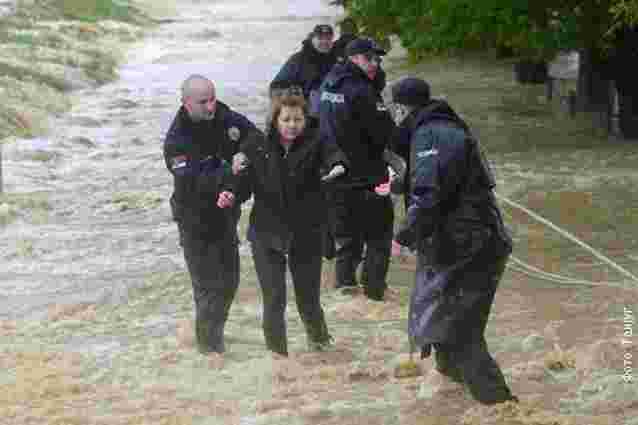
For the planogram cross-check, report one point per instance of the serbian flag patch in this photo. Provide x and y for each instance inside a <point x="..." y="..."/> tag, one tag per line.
<point x="179" y="162"/>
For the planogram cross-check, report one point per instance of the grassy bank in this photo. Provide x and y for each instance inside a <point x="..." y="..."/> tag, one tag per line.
<point x="50" y="47"/>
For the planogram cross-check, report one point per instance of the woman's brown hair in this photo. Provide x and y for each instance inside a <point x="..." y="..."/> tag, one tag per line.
<point x="288" y="100"/>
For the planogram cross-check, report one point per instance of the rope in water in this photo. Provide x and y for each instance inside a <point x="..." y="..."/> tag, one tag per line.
<point x="528" y="269"/>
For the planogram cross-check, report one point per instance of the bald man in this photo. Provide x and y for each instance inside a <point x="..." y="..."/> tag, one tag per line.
<point x="198" y="151"/>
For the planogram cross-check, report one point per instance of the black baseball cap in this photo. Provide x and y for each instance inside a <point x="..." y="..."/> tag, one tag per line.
<point x="411" y="91"/>
<point x="323" y="29"/>
<point x="362" y="45"/>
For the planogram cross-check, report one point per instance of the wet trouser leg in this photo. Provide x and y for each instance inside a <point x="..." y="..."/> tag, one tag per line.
<point x="305" y="267"/>
<point x="348" y="235"/>
<point x="328" y="240"/>
<point x="214" y="272"/>
<point x="270" y="266"/>
<point x="468" y="360"/>
<point x="378" y="241"/>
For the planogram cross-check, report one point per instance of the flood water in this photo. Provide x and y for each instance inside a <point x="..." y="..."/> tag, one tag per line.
<point x="105" y="155"/>
<point x="96" y="306"/>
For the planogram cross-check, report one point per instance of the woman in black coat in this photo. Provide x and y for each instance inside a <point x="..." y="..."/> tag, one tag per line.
<point x="282" y="172"/>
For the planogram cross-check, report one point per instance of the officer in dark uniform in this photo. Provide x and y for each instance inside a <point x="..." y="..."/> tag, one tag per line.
<point x="307" y="68"/>
<point x="352" y="116"/>
<point x="462" y="243"/>
<point x="198" y="151"/>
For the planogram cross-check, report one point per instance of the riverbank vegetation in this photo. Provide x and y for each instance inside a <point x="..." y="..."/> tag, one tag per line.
<point x="604" y="32"/>
<point x="50" y="47"/>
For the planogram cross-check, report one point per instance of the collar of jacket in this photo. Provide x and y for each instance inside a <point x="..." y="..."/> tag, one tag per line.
<point x="314" y="56"/>
<point x="185" y="124"/>
<point x="345" y="70"/>
<point x="273" y="139"/>
<point x="436" y="110"/>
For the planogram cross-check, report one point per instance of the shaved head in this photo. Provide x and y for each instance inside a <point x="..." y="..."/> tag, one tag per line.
<point x="198" y="98"/>
<point x="195" y="84"/>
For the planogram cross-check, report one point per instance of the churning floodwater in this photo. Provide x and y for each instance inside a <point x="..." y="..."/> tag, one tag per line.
<point x="96" y="305"/>
<point x="101" y="167"/>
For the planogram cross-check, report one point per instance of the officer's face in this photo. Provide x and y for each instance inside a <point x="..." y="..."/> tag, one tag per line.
<point x="369" y="62"/>
<point x="202" y="104"/>
<point x="323" y="42"/>
<point x="291" y="122"/>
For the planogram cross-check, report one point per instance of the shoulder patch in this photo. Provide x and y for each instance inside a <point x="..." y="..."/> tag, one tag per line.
<point x="332" y="97"/>
<point x="179" y="161"/>
<point x="429" y="152"/>
<point x="234" y="134"/>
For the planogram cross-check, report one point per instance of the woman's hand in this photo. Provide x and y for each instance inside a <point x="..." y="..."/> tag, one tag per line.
<point x="335" y="172"/>
<point x="225" y="199"/>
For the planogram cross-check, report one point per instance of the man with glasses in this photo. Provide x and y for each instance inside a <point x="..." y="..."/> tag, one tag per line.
<point x="352" y="115"/>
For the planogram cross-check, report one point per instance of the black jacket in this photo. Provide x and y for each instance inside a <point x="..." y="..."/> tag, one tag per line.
<point x="352" y="115"/>
<point x="306" y="69"/>
<point x="339" y="46"/>
<point x="451" y="199"/>
<point x="287" y="188"/>
<point x="198" y="155"/>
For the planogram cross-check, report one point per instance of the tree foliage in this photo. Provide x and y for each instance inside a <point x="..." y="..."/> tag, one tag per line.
<point x="535" y="29"/>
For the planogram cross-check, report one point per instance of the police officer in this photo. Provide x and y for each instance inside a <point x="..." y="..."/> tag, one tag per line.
<point x="198" y="151"/>
<point x="461" y="240"/>
<point x="308" y="67"/>
<point x="352" y="116"/>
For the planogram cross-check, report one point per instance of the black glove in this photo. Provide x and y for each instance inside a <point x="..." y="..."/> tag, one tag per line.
<point x="405" y="236"/>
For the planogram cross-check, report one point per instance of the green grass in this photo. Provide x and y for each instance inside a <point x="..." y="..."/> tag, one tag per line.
<point x="82" y="10"/>
<point x="43" y="40"/>
<point x="34" y="205"/>
<point x="93" y="10"/>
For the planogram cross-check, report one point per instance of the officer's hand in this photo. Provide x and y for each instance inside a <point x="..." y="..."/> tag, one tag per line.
<point x="240" y="162"/>
<point x="335" y="172"/>
<point x="225" y="199"/>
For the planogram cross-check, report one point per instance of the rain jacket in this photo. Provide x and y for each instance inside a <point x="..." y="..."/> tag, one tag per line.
<point x="455" y="223"/>
<point x="306" y="69"/>
<point x="198" y="155"/>
<point x="287" y="188"/>
<point x="352" y="116"/>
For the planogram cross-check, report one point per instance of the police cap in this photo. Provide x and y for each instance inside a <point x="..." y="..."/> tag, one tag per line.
<point x="411" y="91"/>
<point x="362" y="45"/>
<point x="323" y="29"/>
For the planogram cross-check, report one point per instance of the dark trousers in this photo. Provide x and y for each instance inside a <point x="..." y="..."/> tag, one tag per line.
<point x="363" y="218"/>
<point x="468" y="359"/>
<point x="214" y="272"/>
<point x="304" y="260"/>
